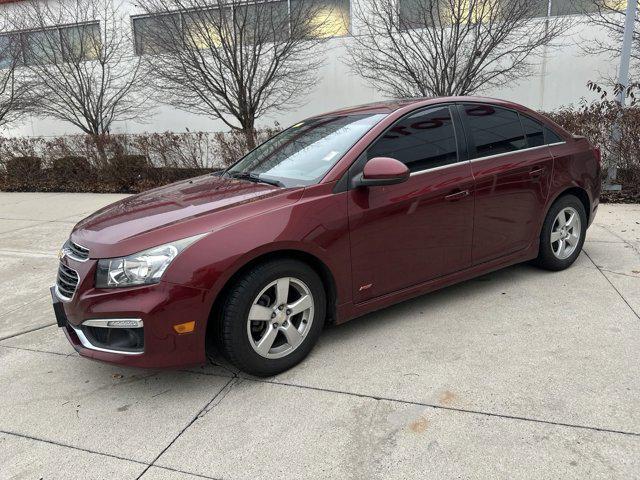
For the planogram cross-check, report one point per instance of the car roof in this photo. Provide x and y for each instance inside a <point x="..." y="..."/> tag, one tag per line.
<point x="390" y="106"/>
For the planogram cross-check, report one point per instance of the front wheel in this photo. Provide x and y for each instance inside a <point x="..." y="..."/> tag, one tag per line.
<point x="273" y="316"/>
<point x="563" y="234"/>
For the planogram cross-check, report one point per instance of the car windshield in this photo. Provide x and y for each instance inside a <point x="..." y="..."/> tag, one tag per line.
<point x="304" y="153"/>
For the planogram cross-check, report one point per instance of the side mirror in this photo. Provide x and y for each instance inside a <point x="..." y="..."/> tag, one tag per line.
<point x="382" y="171"/>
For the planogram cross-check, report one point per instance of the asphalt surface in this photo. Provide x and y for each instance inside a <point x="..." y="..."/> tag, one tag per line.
<point x="518" y="374"/>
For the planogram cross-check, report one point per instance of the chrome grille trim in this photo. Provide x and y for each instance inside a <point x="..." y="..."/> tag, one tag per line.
<point x="113" y="323"/>
<point x="76" y="251"/>
<point x="66" y="282"/>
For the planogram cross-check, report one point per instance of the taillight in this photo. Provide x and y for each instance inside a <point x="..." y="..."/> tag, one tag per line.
<point x="598" y="154"/>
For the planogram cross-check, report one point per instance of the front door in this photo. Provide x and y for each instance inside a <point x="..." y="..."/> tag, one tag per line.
<point x="512" y="167"/>
<point x="405" y="234"/>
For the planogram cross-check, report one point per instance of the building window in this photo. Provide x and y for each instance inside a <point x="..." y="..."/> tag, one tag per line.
<point x="414" y="14"/>
<point x="153" y="35"/>
<point x="269" y="21"/>
<point x="41" y="47"/>
<point x="331" y="18"/>
<point x="262" y="22"/>
<point x="81" y="42"/>
<point x="572" y="7"/>
<point x="10" y="50"/>
<point x="65" y="43"/>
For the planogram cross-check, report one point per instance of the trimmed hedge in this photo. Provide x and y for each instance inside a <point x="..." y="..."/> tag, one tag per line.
<point x="115" y="163"/>
<point x="596" y="121"/>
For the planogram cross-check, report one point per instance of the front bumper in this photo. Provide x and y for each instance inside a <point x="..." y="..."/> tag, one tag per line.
<point x="157" y="308"/>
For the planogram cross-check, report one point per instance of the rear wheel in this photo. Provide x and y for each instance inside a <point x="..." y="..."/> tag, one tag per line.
<point x="273" y="316"/>
<point x="563" y="234"/>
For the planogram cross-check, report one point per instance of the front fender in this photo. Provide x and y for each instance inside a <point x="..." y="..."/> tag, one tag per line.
<point x="315" y="225"/>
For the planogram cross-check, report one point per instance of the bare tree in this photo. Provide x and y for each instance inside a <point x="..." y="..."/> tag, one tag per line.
<point x="233" y="60"/>
<point x="410" y="48"/>
<point x="78" y="56"/>
<point x="609" y="16"/>
<point x="16" y="99"/>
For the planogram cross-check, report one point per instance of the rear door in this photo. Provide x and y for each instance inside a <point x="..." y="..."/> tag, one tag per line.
<point x="512" y="167"/>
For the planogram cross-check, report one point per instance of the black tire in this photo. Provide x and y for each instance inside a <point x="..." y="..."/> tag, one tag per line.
<point x="235" y="343"/>
<point x="546" y="258"/>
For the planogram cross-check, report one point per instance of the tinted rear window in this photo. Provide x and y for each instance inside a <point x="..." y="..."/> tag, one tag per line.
<point x="551" y="136"/>
<point x="534" y="131"/>
<point x="494" y="130"/>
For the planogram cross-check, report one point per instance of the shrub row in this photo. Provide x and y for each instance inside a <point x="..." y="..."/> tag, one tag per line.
<point x="616" y="130"/>
<point x="115" y="163"/>
<point x="597" y="121"/>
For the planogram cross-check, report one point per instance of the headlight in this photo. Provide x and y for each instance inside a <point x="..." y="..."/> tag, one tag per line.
<point x="141" y="268"/>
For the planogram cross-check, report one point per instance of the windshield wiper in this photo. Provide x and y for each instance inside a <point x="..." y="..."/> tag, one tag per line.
<point x="254" y="177"/>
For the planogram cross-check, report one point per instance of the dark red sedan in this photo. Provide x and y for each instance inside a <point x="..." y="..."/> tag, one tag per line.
<point x="337" y="216"/>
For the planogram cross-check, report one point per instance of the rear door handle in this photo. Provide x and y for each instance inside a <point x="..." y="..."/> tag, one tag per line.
<point x="536" y="172"/>
<point x="452" y="197"/>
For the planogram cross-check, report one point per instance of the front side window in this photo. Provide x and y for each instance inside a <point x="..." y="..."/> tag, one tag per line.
<point x="421" y="141"/>
<point x="493" y="130"/>
<point x="305" y="152"/>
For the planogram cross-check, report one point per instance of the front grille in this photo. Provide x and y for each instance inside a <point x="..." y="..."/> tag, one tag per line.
<point x="77" y="252"/>
<point x="67" y="281"/>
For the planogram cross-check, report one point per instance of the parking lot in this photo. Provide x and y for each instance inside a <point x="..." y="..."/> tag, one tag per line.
<point x="520" y="373"/>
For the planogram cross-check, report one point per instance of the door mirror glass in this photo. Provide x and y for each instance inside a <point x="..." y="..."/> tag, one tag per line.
<point x="382" y="171"/>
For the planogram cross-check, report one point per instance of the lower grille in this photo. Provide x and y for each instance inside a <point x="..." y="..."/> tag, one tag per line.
<point x="67" y="281"/>
<point x="116" y="339"/>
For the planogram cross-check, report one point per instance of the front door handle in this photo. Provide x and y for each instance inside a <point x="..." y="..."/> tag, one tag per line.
<point x="452" y="197"/>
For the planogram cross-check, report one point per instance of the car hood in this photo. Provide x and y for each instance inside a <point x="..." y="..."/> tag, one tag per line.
<point x="176" y="211"/>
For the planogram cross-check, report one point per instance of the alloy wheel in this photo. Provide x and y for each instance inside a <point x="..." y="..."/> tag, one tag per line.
<point x="565" y="233"/>
<point x="280" y="317"/>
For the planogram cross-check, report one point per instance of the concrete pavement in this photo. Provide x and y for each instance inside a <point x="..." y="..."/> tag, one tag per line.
<point x="517" y="374"/>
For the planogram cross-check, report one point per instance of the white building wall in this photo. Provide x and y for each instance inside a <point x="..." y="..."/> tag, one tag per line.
<point x="560" y="79"/>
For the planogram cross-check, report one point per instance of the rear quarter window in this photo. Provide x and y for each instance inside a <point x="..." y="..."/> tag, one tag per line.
<point x="551" y="137"/>
<point x="534" y="131"/>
